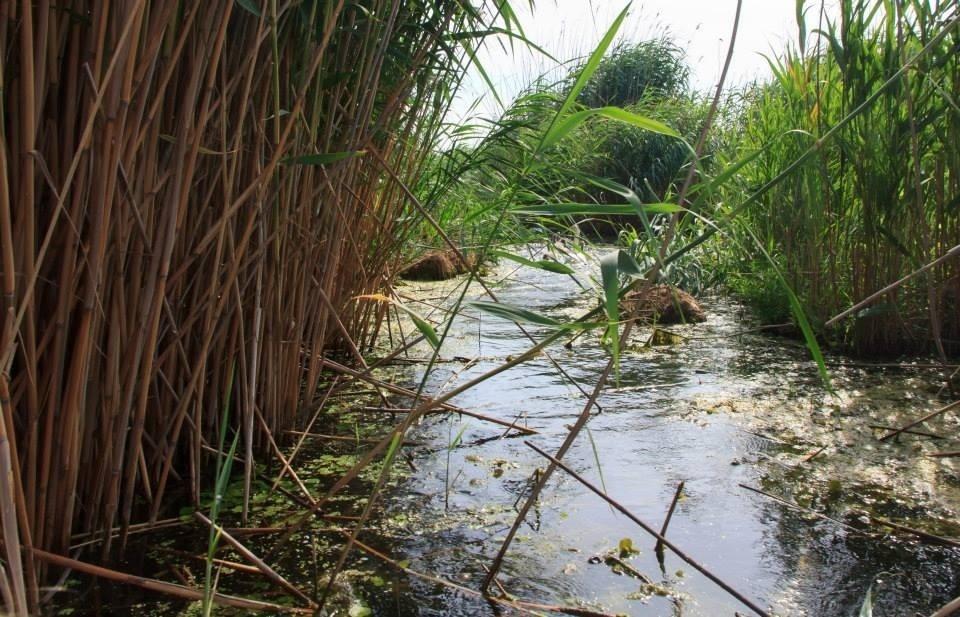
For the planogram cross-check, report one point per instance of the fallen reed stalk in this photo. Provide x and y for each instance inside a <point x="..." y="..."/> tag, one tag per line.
<point x="658" y="548"/>
<point x="542" y="478"/>
<point x="950" y="608"/>
<point x="929" y="416"/>
<point x="260" y="565"/>
<point x="800" y="508"/>
<point x="812" y="455"/>
<point x="953" y="252"/>
<point x="909" y="431"/>
<point x="347" y="439"/>
<point x="435" y="406"/>
<point x="929" y="538"/>
<point x="238" y="567"/>
<point x="520" y="605"/>
<point x="678" y="552"/>
<point x="458" y="252"/>
<point x="302" y="436"/>
<point x="163" y="587"/>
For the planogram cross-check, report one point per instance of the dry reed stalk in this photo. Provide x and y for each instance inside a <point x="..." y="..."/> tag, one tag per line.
<point x="660" y="538"/>
<point x="541" y="479"/>
<point x="505" y="601"/>
<point x="158" y="231"/>
<point x="428" y="407"/>
<point x="179" y="591"/>
<point x="261" y="566"/>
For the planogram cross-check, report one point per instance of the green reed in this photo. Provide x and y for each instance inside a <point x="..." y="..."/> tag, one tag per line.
<point x="877" y="198"/>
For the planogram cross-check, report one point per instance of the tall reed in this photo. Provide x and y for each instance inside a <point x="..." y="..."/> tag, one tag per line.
<point x="877" y="200"/>
<point x="184" y="189"/>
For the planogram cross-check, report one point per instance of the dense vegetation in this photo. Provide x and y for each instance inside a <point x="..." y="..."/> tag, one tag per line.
<point x="874" y="93"/>
<point x="192" y="193"/>
<point x="201" y="201"/>
<point x="842" y="173"/>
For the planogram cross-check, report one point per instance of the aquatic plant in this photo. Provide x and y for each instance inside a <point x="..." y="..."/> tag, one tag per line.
<point x="200" y="202"/>
<point x="875" y="200"/>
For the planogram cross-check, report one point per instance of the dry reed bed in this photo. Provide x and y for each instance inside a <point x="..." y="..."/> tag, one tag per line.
<point x="159" y="249"/>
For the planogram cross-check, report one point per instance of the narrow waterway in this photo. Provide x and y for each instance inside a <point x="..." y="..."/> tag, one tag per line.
<point x="721" y="408"/>
<point x="717" y="410"/>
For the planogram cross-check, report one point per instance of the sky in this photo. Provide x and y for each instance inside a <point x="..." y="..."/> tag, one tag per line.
<point x="571" y="28"/>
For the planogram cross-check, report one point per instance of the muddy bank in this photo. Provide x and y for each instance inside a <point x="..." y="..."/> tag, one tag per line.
<point x="662" y="304"/>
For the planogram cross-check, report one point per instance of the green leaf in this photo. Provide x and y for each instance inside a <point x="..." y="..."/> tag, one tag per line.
<point x="509" y="16"/>
<point x="422" y="324"/>
<point x="808" y="335"/>
<point x="628" y="265"/>
<point x="517" y="314"/>
<point x="596" y="458"/>
<point x="483" y="73"/>
<point x="563" y="127"/>
<point x="456" y="440"/>
<point x="575" y="209"/>
<point x="588" y="70"/>
<point x="392" y="448"/>
<point x="541" y="264"/>
<point x="610" y="274"/>
<point x="593" y="62"/>
<point x="628" y="117"/>
<point x="225" y="473"/>
<point x="866" y="609"/>
<point x="796" y="308"/>
<point x="626" y="548"/>
<point x="733" y="169"/>
<point x="480" y="34"/>
<point x="657" y="208"/>
<point x="634" y="200"/>
<point x="424" y="327"/>
<point x="324" y="158"/>
<point x="249" y="7"/>
<point x="801" y="25"/>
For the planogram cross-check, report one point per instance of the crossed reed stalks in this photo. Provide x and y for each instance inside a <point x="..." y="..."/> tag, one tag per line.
<point x="184" y="198"/>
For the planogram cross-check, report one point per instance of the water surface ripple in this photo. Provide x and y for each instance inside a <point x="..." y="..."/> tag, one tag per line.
<point x="718" y="410"/>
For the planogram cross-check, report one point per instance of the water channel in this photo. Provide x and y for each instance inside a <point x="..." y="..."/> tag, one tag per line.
<point x="722" y="408"/>
<point x="719" y="409"/>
